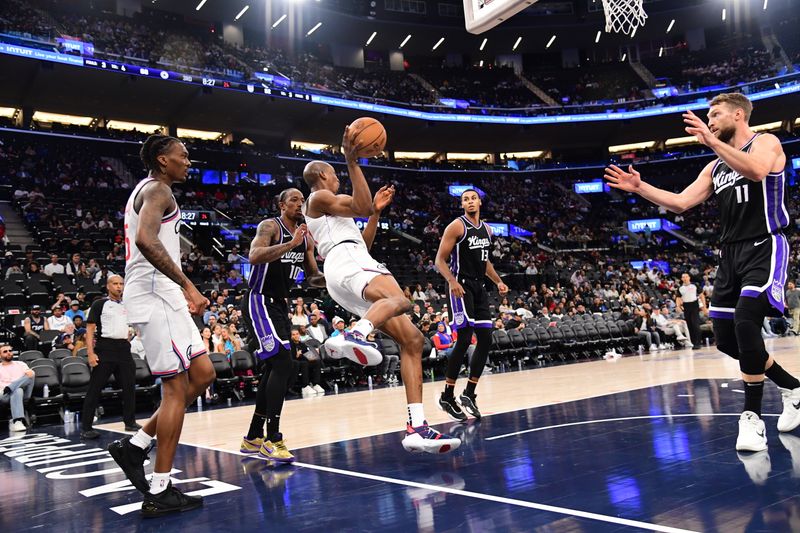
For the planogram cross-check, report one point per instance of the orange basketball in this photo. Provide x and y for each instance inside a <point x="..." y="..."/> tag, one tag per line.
<point x="369" y="136"/>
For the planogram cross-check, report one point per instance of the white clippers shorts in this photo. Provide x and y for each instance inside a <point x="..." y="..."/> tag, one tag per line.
<point x="348" y="270"/>
<point x="168" y="333"/>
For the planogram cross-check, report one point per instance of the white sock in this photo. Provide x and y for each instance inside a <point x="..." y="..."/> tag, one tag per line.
<point x="364" y="327"/>
<point x="158" y="483"/>
<point x="141" y="439"/>
<point x="416" y="414"/>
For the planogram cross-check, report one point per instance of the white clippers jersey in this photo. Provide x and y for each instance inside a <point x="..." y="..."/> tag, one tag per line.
<point x="329" y="230"/>
<point x="140" y="275"/>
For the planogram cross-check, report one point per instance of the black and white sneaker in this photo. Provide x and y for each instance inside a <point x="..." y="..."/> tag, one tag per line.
<point x="469" y="405"/>
<point x="170" y="500"/>
<point x="449" y="406"/>
<point x="130" y="459"/>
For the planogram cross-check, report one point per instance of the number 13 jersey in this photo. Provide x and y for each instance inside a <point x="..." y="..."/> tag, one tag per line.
<point x="749" y="210"/>
<point x="471" y="253"/>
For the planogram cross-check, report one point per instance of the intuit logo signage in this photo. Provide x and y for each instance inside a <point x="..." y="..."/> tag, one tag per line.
<point x="59" y="460"/>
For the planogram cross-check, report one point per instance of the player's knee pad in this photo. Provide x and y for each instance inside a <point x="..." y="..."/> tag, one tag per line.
<point x="748" y="319"/>
<point x="725" y="334"/>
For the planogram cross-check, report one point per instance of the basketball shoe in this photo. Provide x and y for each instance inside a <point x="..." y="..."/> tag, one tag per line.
<point x="276" y="450"/>
<point x="355" y="347"/>
<point x="752" y="433"/>
<point x="426" y="439"/>
<point x="251" y="445"/>
<point x="170" y="500"/>
<point x="790" y="417"/>
<point x="448" y="405"/>
<point x="469" y="405"/>
<point x="130" y="459"/>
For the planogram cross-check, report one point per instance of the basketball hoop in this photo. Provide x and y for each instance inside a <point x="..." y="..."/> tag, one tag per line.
<point x="624" y="16"/>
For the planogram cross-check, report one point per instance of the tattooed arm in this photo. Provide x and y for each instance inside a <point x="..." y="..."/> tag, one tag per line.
<point x="156" y="200"/>
<point x="261" y="248"/>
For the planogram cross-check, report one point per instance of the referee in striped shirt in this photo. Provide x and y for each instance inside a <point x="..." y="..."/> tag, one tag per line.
<point x="108" y="323"/>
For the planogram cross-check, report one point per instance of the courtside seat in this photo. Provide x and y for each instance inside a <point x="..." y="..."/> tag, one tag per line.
<point x="225" y="382"/>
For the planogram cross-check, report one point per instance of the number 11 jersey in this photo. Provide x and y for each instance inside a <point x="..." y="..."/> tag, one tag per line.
<point x="749" y="210"/>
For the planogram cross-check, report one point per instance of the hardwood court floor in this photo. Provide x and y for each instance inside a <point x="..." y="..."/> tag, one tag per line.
<point x="333" y="418"/>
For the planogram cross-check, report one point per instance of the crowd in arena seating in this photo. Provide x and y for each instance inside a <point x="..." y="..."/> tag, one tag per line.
<point x="148" y="38"/>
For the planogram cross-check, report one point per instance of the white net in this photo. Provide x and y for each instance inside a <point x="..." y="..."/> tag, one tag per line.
<point x="624" y="16"/>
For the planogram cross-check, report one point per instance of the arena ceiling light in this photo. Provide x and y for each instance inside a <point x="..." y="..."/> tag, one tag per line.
<point x="371" y="37"/>
<point x="724" y="14"/>
<point x="624" y="56"/>
<point x="242" y="12"/>
<point x="671" y="24"/>
<point x="483" y="44"/>
<point x="405" y="40"/>
<point x="275" y="24"/>
<point x="533" y="154"/>
<point x="765" y="4"/>
<point x="480" y="64"/>
<point x="306" y="146"/>
<point x="438" y="43"/>
<point x="315" y="28"/>
<point x="597" y="37"/>
<point x="661" y="51"/>
<point x="414" y="155"/>
<point x="7" y="112"/>
<point x="769" y="126"/>
<point x="631" y="147"/>
<point x="43" y="116"/>
<point x="551" y="41"/>
<point x="680" y="141"/>
<point x="130" y="126"/>
<point x="199" y="134"/>
<point x="462" y="156"/>
<point x="516" y="43"/>
<point x="200" y="5"/>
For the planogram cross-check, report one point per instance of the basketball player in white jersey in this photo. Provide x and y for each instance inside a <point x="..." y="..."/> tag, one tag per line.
<point x="366" y="288"/>
<point x="159" y="298"/>
<point x="747" y="178"/>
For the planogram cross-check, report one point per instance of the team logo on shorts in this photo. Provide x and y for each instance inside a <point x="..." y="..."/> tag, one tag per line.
<point x="459" y="319"/>
<point x="268" y="342"/>
<point x="777" y="291"/>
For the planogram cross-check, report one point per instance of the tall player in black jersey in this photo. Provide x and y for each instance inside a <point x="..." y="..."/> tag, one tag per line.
<point x="278" y="253"/>
<point x="747" y="177"/>
<point x="466" y="243"/>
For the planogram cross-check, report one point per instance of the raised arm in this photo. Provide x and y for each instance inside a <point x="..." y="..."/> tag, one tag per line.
<point x="382" y="199"/>
<point x="156" y="200"/>
<point x="765" y="155"/>
<point x="261" y="248"/>
<point x="696" y="193"/>
<point x="452" y="234"/>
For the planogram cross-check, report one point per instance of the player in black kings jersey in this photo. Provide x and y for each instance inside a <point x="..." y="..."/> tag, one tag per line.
<point x="278" y="253"/>
<point x="747" y="177"/>
<point x="466" y="244"/>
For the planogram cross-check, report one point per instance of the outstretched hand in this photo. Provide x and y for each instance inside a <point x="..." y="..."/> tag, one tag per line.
<point x="383" y="197"/>
<point x="626" y="181"/>
<point x="695" y="126"/>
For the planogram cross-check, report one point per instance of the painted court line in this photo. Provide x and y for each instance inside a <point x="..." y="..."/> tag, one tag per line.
<point x="466" y="493"/>
<point x="584" y="422"/>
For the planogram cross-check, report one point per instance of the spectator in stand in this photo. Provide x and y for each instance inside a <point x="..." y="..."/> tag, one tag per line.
<point x="74" y="265"/>
<point x="212" y="311"/>
<point x="58" y="322"/>
<point x="416" y="314"/>
<point x="66" y="340"/>
<point x="672" y="327"/>
<point x="309" y="364"/>
<point x="75" y="310"/>
<point x="234" y="256"/>
<point x="101" y="276"/>
<point x="316" y="329"/>
<point x="16" y="386"/>
<point x="299" y="317"/>
<point x="14" y="269"/>
<point x="234" y="278"/>
<point x="431" y="295"/>
<point x="505" y="305"/>
<point x="34" y="325"/>
<point x="418" y="294"/>
<point x="227" y="344"/>
<point x="443" y="341"/>
<point x="205" y="334"/>
<point x="338" y="326"/>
